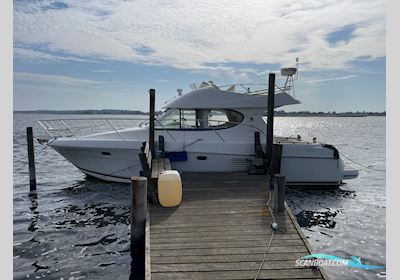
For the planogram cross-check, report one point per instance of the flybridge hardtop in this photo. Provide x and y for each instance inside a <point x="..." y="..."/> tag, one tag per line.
<point x="211" y="96"/>
<point x="212" y="126"/>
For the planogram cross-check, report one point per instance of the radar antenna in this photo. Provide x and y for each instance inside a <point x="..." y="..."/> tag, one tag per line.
<point x="289" y="73"/>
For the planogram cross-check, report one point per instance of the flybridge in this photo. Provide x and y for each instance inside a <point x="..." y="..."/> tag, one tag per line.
<point x="212" y="96"/>
<point x="236" y="96"/>
<point x="247" y="88"/>
<point x="291" y="74"/>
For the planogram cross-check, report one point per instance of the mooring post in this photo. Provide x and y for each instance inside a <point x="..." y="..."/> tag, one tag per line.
<point x="257" y="145"/>
<point x="276" y="158"/>
<point x="152" y="93"/>
<point x="279" y="193"/>
<point x="31" y="159"/>
<point x="138" y="225"/>
<point x="270" y="120"/>
<point x="161" y="145"/>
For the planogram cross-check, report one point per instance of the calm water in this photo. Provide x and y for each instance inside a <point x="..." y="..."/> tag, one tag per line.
<point x="78" y="228"/>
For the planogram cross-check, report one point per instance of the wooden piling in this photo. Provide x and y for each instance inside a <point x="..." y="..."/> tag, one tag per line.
<point x="257" y="145"/>
<point x="138" y="225"/>
<point x="276" y="159"/>
<point x="152" y="93"/>
<point x="145" y="168"/>
<point x="161" y="145"/>
<point x="279" y="193"/>
<point x="31" y="159"/>
<point x="270" y="120"/>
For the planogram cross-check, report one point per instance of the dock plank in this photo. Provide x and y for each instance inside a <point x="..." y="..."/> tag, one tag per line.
<point x="243" y="231"/>
<point x="194" y="224"/>
<point x="227" y="244"/>
<point x="155" y="168"/>
<point x="241" y="274"/>
<point x="249" y="265"/>
<point x="210" y="238"/>
<point x="222" y="229"/>
<point x="218" y="228"/>
<point x="227" y="251"/>
<point x="226" y="258"/>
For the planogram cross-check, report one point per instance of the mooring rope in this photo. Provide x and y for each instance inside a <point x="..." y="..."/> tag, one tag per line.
<point x="23" y="158"/>
<point x="360" y="164"/>
<point x="136" y="164"/>
<point x="270" y="240"/>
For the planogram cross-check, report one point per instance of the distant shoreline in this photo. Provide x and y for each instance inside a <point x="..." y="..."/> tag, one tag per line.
<point x="85" y="112"/>
<point x="280" y="113"/>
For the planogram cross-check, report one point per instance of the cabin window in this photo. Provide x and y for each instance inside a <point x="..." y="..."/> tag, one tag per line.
<point x="188" y="119"/>
<point x="201" y="119"/>
<point x="223" y="118"/>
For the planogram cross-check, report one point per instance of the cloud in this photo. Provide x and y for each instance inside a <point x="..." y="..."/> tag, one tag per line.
<point x="103" y="71"/>
<point x="161" y="81"/>
<point x="188" y="35"/>
<point x="45" y="57"/>
<point x="324" y="80"/>
<point x="54" y="79"/>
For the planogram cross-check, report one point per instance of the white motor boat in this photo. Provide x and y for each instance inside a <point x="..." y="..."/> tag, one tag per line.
<point x="211" y="129"/>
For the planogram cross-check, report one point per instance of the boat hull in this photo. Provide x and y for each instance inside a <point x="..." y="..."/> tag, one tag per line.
<point x="111" y="164"/>
<point x="120" y="164"/>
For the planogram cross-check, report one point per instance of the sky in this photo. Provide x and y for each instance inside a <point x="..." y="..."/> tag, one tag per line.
<point x="107" y="54"/>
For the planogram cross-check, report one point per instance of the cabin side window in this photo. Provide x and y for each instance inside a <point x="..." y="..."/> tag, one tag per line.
<point x="224" y="118"/>
<point x="199" y="119"/>
<point x="188" y="119"/>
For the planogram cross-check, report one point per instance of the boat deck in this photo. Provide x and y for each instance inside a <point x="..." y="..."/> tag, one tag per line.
<point x="222" y="230"/>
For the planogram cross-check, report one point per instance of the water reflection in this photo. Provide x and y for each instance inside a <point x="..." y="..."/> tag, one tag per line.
<point x="317" y="200"/>
<point x="97" y="215"/>
<point x="39" y="267"/>
<point x="317" y="218"/>
<point x="33" y="198"/>
<point x="83" y="224"/>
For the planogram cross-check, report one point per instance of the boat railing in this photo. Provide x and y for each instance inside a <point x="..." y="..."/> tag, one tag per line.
<point x="246" y="88"/>
<point x="77" y="128"/>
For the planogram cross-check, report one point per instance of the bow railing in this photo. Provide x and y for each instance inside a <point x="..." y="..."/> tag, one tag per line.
<point x="78" y="128"/>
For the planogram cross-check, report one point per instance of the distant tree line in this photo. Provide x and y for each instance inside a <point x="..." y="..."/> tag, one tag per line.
<point x="87" y="112"/>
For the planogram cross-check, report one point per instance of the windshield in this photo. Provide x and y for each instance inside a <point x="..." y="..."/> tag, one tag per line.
<point x="169" y="119"/>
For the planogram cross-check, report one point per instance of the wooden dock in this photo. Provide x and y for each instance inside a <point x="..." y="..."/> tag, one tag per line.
<point x="221" y="231"/>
